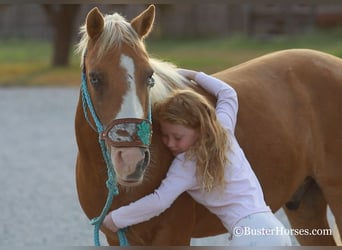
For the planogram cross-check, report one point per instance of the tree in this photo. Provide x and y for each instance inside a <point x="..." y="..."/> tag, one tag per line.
<point x="62" y="18"/>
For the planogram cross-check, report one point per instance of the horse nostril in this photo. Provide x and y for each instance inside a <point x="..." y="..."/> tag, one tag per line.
<point x="146" y="158"/>
<point x="141" y="165"/>
<point x="119" y="156"/>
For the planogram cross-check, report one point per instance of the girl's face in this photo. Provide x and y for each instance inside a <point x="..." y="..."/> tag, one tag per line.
<point x="178" y="138"/>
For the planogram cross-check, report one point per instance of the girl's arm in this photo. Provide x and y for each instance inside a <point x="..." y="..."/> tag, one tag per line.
<point x="179" y="179"/>
<point x="227" y="102"/>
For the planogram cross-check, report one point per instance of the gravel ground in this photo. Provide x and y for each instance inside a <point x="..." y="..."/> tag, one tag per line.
<point x="38" y="197"/>
<point x="38" y="200"/>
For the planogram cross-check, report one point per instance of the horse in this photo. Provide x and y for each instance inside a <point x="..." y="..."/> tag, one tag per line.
<point x="288" y="126"/>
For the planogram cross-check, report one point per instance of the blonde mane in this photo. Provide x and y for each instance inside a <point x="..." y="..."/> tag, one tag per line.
<point x="166" y="79"/>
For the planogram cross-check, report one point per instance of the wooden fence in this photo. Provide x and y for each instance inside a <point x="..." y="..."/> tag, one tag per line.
<point x="217" y="19"/>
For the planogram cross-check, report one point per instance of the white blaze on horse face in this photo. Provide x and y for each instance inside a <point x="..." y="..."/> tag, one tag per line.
<point x="131" y="106"/>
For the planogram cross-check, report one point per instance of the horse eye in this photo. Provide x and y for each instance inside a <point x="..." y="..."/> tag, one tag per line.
<point x="150" y="82"/>
<point x="94" y="78"/>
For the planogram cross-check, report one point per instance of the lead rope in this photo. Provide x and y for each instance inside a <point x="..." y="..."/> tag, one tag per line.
<point x="111" y="181"/>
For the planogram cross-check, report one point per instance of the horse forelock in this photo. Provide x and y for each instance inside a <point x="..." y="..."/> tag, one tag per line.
<point x="116" y="31"/>
<point x="167" y="79"/>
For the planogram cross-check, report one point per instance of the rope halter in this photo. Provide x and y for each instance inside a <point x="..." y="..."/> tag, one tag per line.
<point x="128" y="132"/>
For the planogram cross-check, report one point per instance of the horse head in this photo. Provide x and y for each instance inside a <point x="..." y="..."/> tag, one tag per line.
<point x="118" y="76"/>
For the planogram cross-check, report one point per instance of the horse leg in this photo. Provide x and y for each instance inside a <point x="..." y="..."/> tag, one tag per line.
<point x="310" y="215"/>
<point x="332" y="188"/>
<point x="337" y="236"/>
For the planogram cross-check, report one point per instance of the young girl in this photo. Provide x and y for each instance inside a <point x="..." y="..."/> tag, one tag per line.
<point x="210" y="165"/>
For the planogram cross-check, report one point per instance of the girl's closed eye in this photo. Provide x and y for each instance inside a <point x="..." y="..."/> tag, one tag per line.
<point x="178" y="137"/>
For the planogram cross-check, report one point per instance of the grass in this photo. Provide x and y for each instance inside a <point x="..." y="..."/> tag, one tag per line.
<point x="216" y="54"/>
<point x="27" y="63"/>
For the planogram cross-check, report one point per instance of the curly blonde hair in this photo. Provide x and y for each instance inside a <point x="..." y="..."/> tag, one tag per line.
<point x="190" y="109"/>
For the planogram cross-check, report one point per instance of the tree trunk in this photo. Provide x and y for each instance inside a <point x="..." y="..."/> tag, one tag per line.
<point x="62" y="18"/>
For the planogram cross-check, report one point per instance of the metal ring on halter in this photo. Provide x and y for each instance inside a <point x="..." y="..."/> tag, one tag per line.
<point x="128" y="132"/>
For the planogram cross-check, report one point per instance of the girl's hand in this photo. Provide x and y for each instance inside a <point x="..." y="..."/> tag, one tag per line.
<point x="108" y="224"/>
<point x="187" y="73"/>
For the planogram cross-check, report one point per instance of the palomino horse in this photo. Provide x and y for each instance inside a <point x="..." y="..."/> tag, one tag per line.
<point x="289" y="119"/>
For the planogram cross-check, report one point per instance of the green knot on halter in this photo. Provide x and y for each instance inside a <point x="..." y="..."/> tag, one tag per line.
<point x="144" y="132"/>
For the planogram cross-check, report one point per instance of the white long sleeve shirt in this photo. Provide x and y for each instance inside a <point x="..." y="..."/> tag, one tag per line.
<point x="242" y="194"/>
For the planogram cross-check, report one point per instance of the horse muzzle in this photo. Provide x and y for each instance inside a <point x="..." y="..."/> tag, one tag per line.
<point x="129" y="164"/>
<point x="129" y="140"/>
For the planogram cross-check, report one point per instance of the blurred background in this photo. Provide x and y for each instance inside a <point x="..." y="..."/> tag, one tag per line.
<point x="37" y="40"/>
<point x="40" y="75"/>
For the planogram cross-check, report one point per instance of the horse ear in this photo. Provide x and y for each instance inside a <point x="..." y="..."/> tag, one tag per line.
<point x="95" y="23"/>
<point x="143" y="23"/>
